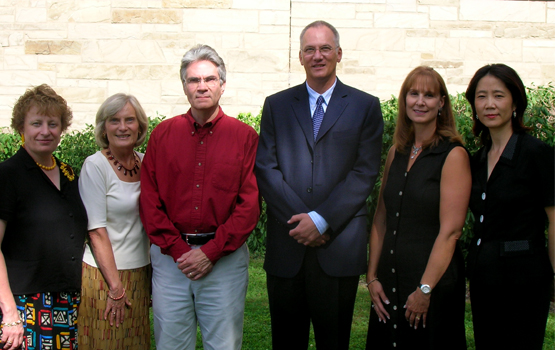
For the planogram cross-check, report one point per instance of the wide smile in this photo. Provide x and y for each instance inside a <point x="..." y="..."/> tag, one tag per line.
<point x="419" y="111"/>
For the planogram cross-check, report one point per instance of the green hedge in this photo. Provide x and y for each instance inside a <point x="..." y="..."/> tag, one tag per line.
<point x="540" y="115"/>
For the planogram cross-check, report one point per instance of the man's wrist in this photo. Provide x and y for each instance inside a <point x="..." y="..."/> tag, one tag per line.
<point x="320" y="223"/>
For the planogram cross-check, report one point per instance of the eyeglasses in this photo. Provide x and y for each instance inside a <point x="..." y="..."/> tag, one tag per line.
<point x="210" y="81"/>
<point x="324" y="50"/>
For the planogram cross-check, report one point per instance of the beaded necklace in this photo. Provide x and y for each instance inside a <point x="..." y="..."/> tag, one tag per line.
<point x="48" y="167"/>
<point x="120" y="166"/>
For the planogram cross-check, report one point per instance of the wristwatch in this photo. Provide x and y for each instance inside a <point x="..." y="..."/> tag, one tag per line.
<point x="425" y="288"/>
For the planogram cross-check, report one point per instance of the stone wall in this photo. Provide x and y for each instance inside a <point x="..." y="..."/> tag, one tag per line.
<point x="90" y="49"/>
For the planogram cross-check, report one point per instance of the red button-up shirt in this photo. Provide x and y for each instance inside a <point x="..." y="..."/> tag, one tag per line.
<point x="199" y="179"/>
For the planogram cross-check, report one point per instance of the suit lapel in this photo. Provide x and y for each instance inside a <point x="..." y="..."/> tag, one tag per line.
<point x="301" y="109"/>
<point x="335" y="109"/>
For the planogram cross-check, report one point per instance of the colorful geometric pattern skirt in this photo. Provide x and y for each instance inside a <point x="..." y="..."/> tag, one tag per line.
<point x="49" y="320"/>
<point x="95" y="333"/>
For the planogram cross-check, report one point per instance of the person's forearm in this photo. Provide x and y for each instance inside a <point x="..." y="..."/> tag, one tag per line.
<point x="440" y="258"/>
<point x="7" y="302"/>
<point x="104" y="256"/>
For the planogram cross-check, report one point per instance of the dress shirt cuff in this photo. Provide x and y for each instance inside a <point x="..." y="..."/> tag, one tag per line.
<point x="321" y="223"/>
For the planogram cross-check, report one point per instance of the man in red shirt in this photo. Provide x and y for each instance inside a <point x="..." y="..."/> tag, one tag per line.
<point x="199" y="203"/>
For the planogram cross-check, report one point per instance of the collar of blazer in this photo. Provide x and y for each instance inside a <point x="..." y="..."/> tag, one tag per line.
<point x="339" y="100"/>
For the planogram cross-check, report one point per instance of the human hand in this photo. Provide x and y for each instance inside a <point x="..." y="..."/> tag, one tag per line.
<point x="306" y="231"/>
<point x="379" y="298"/>
<point x="417" y="308"/>
<point x="115" y="309"/>
<point x="195" y="264"/>
<point x="11" y="335"/>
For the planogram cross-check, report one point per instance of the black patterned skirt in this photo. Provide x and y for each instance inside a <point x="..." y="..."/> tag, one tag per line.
<point x="49" y="320"/>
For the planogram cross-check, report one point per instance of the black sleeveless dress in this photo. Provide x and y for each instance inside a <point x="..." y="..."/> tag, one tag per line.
<point x="412" y="205"/>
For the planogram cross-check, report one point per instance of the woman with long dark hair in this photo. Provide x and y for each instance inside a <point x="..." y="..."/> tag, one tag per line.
<point x="510" y="268"/>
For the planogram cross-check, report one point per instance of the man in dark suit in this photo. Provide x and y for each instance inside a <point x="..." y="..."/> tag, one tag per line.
<point x="317" y="161"/>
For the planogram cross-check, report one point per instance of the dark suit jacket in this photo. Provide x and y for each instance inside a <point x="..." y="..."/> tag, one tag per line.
<point x="332" y="176"/>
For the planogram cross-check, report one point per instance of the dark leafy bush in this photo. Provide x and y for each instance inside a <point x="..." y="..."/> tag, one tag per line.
<point x="540" y="116"/>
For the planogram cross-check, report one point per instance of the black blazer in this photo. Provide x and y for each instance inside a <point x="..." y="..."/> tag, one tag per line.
<point x="332" y="175"/>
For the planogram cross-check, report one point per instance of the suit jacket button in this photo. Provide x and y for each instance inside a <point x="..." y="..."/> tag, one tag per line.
<point x="309" y="190"/>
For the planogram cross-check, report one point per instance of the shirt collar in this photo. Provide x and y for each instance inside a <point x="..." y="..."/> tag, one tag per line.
<point x="313" y="96"/>
<point x="210" y="124"/>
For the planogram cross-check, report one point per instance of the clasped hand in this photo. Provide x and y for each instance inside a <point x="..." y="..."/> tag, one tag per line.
<point x="194" y="264"/>
<point x="306" y="231"/>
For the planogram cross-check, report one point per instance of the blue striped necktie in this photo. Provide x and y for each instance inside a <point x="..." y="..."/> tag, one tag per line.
<point x="318" y="116"/>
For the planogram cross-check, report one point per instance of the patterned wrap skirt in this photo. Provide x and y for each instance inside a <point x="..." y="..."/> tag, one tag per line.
<point x="49" y="320"/>
<point x="95" y="333"/>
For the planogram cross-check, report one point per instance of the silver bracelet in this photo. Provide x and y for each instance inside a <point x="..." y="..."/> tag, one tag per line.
<point x="368" y="283"/>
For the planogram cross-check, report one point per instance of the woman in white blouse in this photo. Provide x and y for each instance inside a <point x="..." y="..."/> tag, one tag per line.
<point x="115" y="295"/>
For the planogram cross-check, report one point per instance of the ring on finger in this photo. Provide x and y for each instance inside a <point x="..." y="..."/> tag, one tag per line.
<point x="417" y="318"/>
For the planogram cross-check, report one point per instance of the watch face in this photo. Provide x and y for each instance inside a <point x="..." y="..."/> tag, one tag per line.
<point x="425" y="289"/>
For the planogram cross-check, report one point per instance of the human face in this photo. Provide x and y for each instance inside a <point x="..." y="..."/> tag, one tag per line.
<point x="202" y="86"/>
<point x="319" y="56"/>
<point x="122" y="129"/>
<point x="423" y="104"/>
<point x="494" y="103"/>
<point x="42" y="134"/>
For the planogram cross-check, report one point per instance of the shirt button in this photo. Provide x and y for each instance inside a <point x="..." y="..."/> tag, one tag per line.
<point x="394" y="290"/>
<point x="72" y="236"/>
<point x="210" y="132"/>
<point x="397" y="214"/>
<point x="202" y="142"/>
<point x="391" y="251"/>
<point x="192" y="132"/>
<point x="395" y="326"/>
<point x="484" y="196"/>
<point x="309" y="189"/>
<point x="479" y="241"/>
<point x="199" y="164"/>
<point x="394" y="345"/>
<point x="406" y="174"/>
<point x="70" y="215"/>
<point x="196" y="208"/>
<point x="73" y="258"/>
<point x="198" y="185"/>
<point x="196" y="231"/>
<point x="394" y="232"/>
<point x="393" y="270"/>
<point x="400" y="193"/>
<point x="394" y="307"/>
<point x="481" y="218"/>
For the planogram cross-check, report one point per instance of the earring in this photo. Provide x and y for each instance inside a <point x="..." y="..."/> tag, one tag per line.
<point x="514" y="114"/>
<point x="22" y="140"/>
<point x="477" y="116"/>
<point x="439" y="112"/>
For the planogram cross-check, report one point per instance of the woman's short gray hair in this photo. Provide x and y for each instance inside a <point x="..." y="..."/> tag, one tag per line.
<point x="111" y="107"/>
<point x="202" y="53"/>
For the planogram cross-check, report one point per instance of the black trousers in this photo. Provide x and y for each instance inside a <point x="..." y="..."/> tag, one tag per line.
<point x="311" y="295"/>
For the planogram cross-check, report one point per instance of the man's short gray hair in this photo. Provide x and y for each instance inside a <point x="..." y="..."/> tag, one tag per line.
<point x="202" y="53"/>
<point x="320" y="24"/>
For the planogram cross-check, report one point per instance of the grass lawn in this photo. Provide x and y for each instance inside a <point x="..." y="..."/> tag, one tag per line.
<point x="257" y="317"/>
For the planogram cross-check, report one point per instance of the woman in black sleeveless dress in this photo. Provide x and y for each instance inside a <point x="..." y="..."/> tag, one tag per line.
<point x="416" y="270"/>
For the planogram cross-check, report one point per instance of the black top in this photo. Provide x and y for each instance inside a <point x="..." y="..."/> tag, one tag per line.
<point x="412" y="201"/>
<point x="46" y="228"/>
<point x="509" y="208"/>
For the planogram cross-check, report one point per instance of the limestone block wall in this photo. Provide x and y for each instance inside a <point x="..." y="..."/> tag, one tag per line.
<point x="90" y="49"/>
